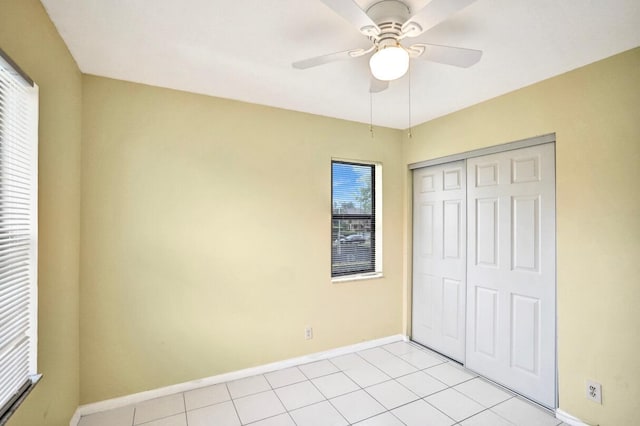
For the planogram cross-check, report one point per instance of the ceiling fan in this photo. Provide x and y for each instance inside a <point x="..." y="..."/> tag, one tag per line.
<point x="388" y="22"/>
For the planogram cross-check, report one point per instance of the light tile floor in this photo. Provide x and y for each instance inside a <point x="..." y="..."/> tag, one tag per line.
<point x="397" y="384"/>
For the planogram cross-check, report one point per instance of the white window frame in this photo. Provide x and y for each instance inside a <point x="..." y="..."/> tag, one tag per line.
<point x="377" y="273"/>
<point x="20" y="123"/>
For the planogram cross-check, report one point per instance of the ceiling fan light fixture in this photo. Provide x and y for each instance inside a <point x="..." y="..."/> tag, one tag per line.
<point x="389" y="63"/>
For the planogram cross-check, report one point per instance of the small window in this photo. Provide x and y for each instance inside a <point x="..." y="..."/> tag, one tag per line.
<point x="354" y="236"/>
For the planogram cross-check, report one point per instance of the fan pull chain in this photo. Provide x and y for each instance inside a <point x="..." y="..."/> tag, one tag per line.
<point x="371" y="114"/>
<point x="410" y="134"/>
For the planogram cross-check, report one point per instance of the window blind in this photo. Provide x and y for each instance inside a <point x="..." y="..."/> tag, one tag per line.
<point x="18" y="235"/>
<point x="353" y="236"/>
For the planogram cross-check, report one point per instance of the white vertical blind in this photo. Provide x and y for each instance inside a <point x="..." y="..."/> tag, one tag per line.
<point x="18" y="234"/>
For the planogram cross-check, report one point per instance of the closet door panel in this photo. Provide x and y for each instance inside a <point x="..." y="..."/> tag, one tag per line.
<point x="439" y="258"/>
<point x="511" y="319"/>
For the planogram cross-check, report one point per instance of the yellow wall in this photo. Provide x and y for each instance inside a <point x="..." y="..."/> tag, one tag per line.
<point x="595" y="112"/>
<point x="29" y="37"/>
<point x="206" y="237"/>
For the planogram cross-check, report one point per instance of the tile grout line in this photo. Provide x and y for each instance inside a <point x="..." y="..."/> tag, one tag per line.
<point x="266" y="418"/>
<point x="443" y="413"/>
<point x="286" y="410"/>
<point x="390" y="379"/>
<point x="327" y="399"/>
<point x="233" y="402"/>
<point x="473" y="415"/>
<point x="475" y="400"/>
<point x="409" y="390"/>
<point x="493" y="412"/>
<point x="501" y="416"/>
<point x="346" y="393"/>
<point x="411" y="402"/>
<point x="184" y="402"/>
<point x="444" y="361"/>
<point x="163" y="417"/>
<point x="307" y="379"/>
<point x="292" y="419"/>
<point x="385" y="381"/>
<point x="252" y="393"/>
<point x="424" y="398"/>
<point x="517" y="398"/>
<point x="455" y="390"/>
<point x="370" y="363"/>
<point x="379" y="402"/>
<point x="276" y="393"/>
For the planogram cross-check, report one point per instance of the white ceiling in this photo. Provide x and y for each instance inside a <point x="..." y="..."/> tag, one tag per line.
<point x="243" y="50"/>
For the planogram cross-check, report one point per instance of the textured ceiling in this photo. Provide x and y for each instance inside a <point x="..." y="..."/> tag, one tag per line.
<point x="243" y="50"/>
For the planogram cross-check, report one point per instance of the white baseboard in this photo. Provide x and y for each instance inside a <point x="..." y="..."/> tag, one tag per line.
<point x="569" y="419"/>
<point x="136" y="398"/>
<point x="76" y="418"/>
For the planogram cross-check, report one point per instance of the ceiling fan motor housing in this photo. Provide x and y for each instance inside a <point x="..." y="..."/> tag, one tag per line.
<point x="389" y="16"/>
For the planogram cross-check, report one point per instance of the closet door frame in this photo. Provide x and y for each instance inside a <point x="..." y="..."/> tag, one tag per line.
<point x="523" y="143"/>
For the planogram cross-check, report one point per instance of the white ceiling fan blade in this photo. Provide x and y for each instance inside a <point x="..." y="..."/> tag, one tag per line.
<point x="456" y="56"/>
<point x="350" y="11"/>
<point x="431" y="15"/>
<point x="321" y="60"/>
<point x="331" y="57"/>
<point x="377" y="86"/>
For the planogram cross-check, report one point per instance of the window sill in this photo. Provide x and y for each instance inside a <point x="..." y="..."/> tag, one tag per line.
<point x="357" y="277"/>
<point x="18" y="399"/>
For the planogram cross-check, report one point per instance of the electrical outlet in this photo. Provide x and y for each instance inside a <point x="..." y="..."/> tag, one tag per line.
<point x="594" y="391"/>
<point x="308" y="333"/>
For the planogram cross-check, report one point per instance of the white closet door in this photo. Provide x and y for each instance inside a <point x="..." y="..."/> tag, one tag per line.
<point x="439" y="258"/>
<point x="511" y="271"/>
